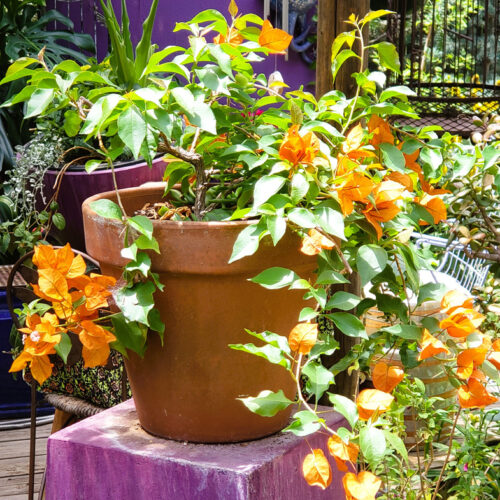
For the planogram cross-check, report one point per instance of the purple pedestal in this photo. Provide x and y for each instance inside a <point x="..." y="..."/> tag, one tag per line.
<point x="109" y="456"/>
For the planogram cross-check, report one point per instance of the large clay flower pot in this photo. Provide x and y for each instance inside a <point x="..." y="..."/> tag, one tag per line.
<point x="77" y="185"/>
<point x="187" y="389"/>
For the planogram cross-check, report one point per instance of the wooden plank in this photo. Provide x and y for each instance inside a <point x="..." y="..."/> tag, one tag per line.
<point x="43" y="431"/>
<point x="10" y="467"/>
<point x="18" y="449"/>
<point x="17" y="485"/>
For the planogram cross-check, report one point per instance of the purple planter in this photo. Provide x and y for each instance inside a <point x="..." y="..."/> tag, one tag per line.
<point x="78" y="185"/>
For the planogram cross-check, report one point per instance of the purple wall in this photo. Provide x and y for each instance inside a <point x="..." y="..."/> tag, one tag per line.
<point x="83" y="14"/>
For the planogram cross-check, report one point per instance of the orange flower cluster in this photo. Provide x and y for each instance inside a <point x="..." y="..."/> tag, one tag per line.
<point x="299" y="149"/>
<point x="75" y="299"/>
<point x="461" y="322"/>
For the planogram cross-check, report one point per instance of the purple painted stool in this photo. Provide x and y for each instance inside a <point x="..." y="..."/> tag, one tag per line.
<point x="109" y="457"/>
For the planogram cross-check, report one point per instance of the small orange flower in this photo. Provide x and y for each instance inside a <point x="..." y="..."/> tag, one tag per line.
<point x="380" y="130"/>
<point x="462" y="322"/>
<point x="455" y="299"/>
<point x="431" y="346"/>
<point x="355" y="188"/>
<point x="373" y="401"/>
<point x="316" y="469"/>
<point x="299" y="149"/>
<point x="274" y="39"/>
<point x="435" y="206"/>
<point x="314" y="242"/>
<point x="385" y="194"/>
<point x="39" y="337"/>
<point x="233" y="38"/>
<point x="474" y="395"/>
<point x="352" y="146"/>
<point x="363" y="486"/>
<point x="95" y="340"/>
<point x="303" y="337"/>
<point x="342" y="452"/>
<point x="403" y="179"/>
<point x="386" y="378"/>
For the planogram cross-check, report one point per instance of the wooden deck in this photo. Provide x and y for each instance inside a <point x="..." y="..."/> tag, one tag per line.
<point x="14" y="461"/>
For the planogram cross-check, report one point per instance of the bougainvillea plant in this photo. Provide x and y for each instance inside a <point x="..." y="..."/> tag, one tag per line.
<point x="337" y="170"/>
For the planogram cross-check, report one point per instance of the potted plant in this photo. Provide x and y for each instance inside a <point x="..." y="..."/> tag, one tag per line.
<point x="50" y="100"/>
<point x="258" y="185"/>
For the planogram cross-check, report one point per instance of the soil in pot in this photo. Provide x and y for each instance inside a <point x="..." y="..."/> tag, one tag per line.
<point x="187" y="389"/>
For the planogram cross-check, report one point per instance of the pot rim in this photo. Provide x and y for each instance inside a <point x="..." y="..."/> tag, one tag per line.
<point x="160" y="223"/>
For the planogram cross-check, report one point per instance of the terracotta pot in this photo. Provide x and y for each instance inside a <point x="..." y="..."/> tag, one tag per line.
<point x="187" y="389"/>
<point x="77" y="185"/>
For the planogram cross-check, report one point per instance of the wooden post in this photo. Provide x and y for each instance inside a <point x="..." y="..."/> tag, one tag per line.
<point x="331" y="17"/>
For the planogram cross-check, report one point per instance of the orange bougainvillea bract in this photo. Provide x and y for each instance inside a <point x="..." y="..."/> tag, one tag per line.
<point x="380" y="130"/>
<point x="355" y="188"/>
<point x="435" y="206"/>
<point x="373" y="401"/>
<point x="431" y="346"/>
<point x="455" y="299"/>
<point x="314" y="242"/>
<point x="385" y="208"/>
<point x="233" y="38"/>
<point x="385" y="377"/>
<point x="474" y="395"/>
<point x="299" y="149"/>
<point x="303" y="337"/>
<point x="274" y="39"/>
<point x="75" y="299"/>
<point x="363" y="486"/>
<point x="342" y="452"/>
<point x="316" y="469"/>
<point x="462" y="322"/>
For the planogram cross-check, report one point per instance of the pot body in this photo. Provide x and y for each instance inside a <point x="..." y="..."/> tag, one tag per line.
<point x="187" y="389"/>
<point x="78" y="185"/>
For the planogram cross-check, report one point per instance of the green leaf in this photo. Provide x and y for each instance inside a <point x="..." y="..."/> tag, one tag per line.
<point x="340" y="59"/>
<point x="107" y="208"/>
<point x="64" y="347"/>
<point x="331" y="221"/>
<point x="267" y="403"/>
<point x="247" y="242"/>
<point x="38" y="101"/>
<point x="299" y="186"/>
<point x="266" y="187"/>
<point x="430" y="291"/>
<point x="348" y="324"/>
<point x="59" y="221"/>
<point x="20" y="64"/>
<point x="344" y="301"/>
<point x="329" y="277"/>
<point x="370" y="260"/>
<point x="132" y="129"/>
<point x="326" y="345"/>
<point x="400" y="91"/>
<point x="142" y="263"/>
<point x="372" y="444"/>
<point x="136" y="302"/>
<point x="375" y="14"/>
<point x="199" y="113"/>
<point x="142" y="224"/>
<point x="345" y="407"/>
<point x="490" y="154"/>
<point x="393" y="157"/>
<point x="491" y="371"/>
<point x="463" y="165"/>
<point x="275" y="278"/>
<point x="388" y="56"/>
<point x="396" y="443"/>
<point x="72" y="122"/>
<point x="276" y="226"/>
<point x="130" y="334"/>
<point x="302" y="217"/>
<point x="307" y="313"/>
<point x="304" y="423"/>
<point x="269" y="352"/>
<point x="410" y="332"/>
<point x="342" y="39"/>
<point x="319" y="379"/>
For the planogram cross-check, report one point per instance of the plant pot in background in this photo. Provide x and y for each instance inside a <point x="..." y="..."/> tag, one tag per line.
<point x="188" y="389"/>
<point x="77" y="185"/>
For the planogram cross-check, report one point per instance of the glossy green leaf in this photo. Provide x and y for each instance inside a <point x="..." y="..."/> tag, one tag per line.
<point x="388" y="56"/>
<point x="345" y="407"/>
<point x="266" y="187"/>
<point x="267" y="403"/>
<point x="304" y="423"/>
<point x="63" y="348"/>
<point x="130" y="334"/>
<point x="348" y="324"/>
<point x="370" y="260"/>
<point x="107" y="208"/>
<point x="275" y="278"/>
<point x="132" y="129"/>
<point x="344" y="301"/>
<point x="373" y="445"/>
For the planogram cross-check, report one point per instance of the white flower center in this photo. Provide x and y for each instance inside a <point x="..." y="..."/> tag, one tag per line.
<point x="35" y="336"/>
